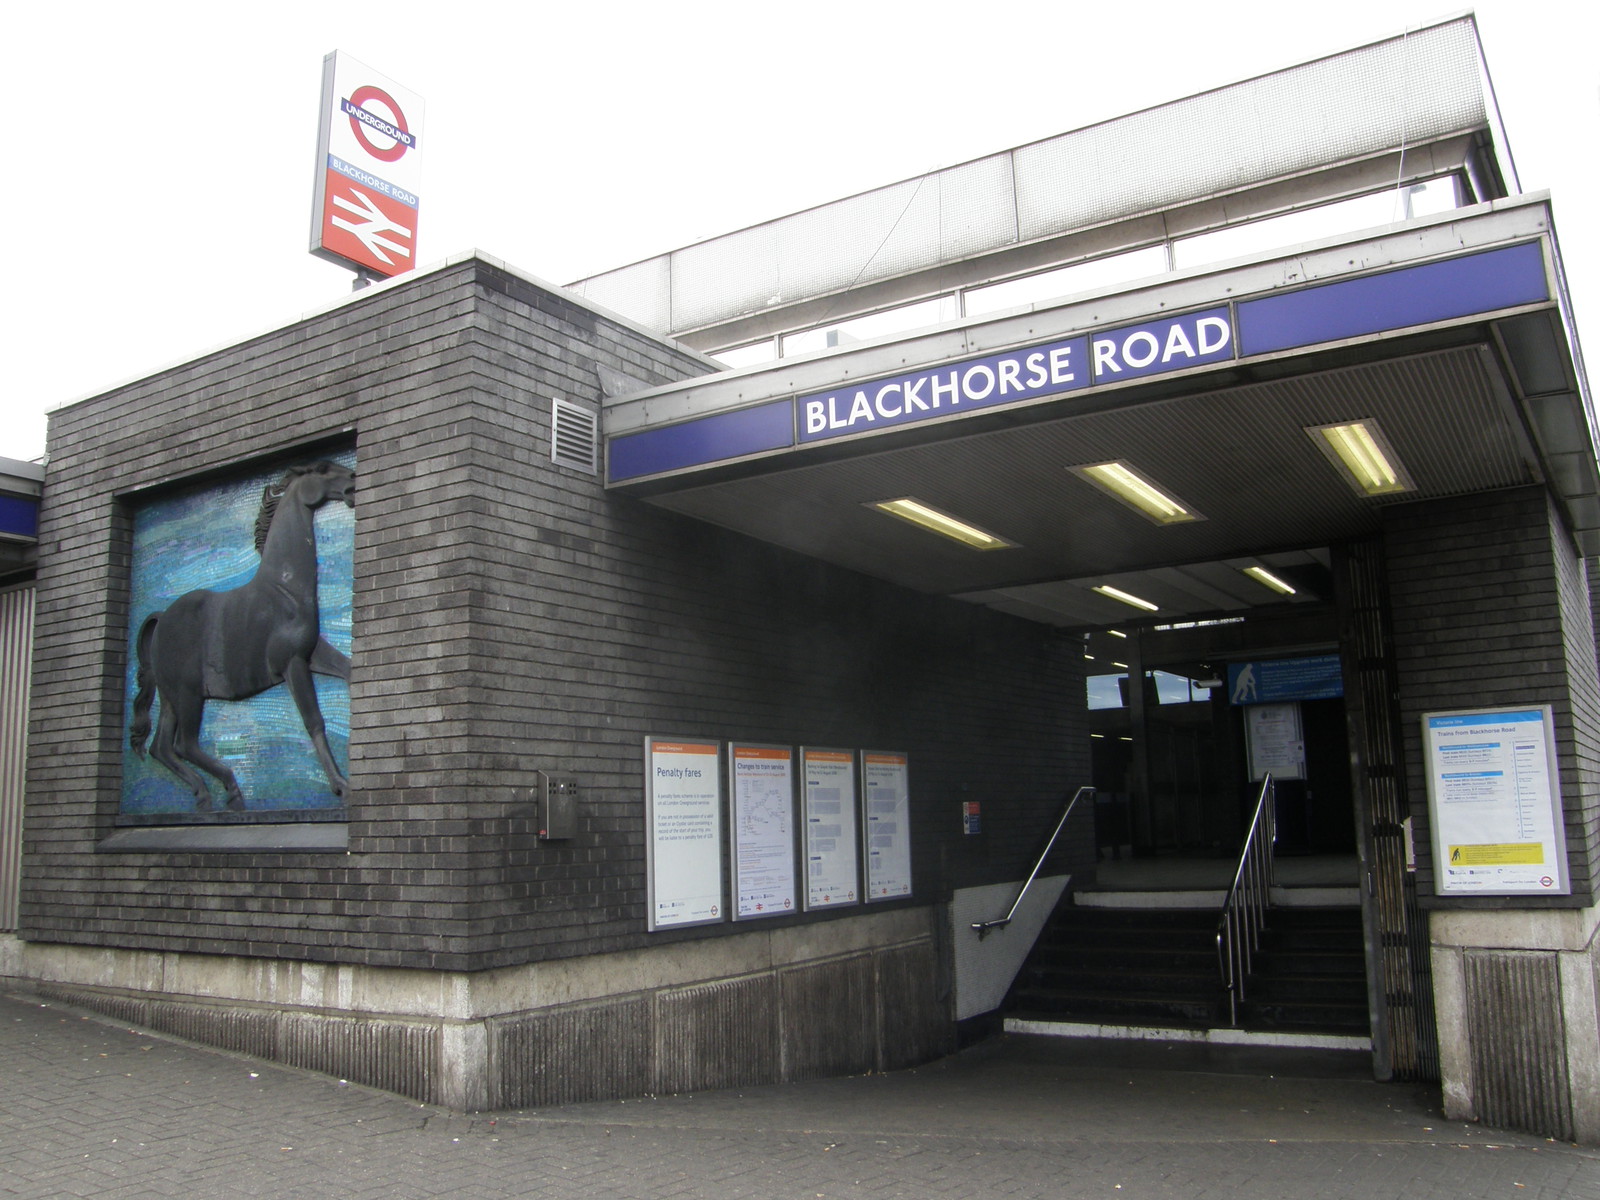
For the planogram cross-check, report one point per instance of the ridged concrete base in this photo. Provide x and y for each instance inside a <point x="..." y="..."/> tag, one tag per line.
<point x="850" y="995"/>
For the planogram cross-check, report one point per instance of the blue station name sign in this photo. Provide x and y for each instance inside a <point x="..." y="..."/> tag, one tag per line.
<point x="1051" y="369"/>
<point x="1479" y="282"/>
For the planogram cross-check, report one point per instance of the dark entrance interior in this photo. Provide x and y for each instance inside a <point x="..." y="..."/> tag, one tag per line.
<point x="1171" y="761"/>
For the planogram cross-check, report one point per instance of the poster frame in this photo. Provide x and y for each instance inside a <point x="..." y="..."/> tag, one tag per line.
<point x="655" y="868"/>
<point x="1257" y="752"/>
<point x="1439" y="829"/>
<point x="849" y="811"/>
<point x="736" y="890"/>
<point x="868" y="894"/>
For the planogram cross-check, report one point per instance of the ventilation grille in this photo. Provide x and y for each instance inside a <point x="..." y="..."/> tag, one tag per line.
<point x="574" y="436"/>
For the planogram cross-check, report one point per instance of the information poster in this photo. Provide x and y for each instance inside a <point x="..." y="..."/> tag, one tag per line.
<point x="683" y="808"/>
<point x="830" y="811"/>
<point x="1277" y="744"/>
<point x="885" y="784"/>
<point x="762" y="793"/>
<point x="1495" y="802"/>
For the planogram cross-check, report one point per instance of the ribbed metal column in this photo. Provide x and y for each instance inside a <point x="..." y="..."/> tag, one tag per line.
<point x="1405" y="1038"/>
<point x="16" y="663"/>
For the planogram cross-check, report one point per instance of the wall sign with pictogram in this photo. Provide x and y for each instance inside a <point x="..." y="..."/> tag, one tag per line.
<point x="368" y="170"/>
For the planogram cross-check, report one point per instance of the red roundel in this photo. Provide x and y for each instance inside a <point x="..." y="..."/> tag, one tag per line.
<point x="358" y="99"/>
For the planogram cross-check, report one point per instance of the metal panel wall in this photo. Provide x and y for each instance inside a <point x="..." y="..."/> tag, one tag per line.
<point x="1402" y="92"/>
<point x="16" y="662"/>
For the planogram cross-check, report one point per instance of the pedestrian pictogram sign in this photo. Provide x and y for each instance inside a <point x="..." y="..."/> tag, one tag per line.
<point x="368" y="169"/>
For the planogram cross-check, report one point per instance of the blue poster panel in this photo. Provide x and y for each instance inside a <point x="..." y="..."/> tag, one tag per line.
<point x="239" y="632"/>
<point x="1274" y="680"/>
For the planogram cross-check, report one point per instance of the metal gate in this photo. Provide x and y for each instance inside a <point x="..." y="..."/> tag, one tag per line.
<point x="1405" y="1038"/>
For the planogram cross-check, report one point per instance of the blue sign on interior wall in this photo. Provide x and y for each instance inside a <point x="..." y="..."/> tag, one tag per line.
<point x="1272" y="680"/>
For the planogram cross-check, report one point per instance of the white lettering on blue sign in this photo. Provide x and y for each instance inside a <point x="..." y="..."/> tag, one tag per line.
<point x="1030" y="373"/>
<point x="978" y="383"/>
<point x="1158" y="346"/>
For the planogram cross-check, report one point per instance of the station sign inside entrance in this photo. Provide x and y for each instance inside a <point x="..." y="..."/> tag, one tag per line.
<point x="1030" y="373"/>
<point x="1275" y="680"/>
<point x="364" y="212"/>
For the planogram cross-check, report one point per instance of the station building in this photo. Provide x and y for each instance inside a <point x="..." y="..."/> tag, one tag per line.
<point x="685" y="506"/>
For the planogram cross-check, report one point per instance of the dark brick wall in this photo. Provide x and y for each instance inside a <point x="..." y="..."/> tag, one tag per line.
<point x="510" y="616"/>
<point x="1490" y="605"/>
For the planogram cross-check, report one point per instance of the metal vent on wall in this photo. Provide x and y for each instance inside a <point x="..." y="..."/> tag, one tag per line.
<point x="574" y="435"/>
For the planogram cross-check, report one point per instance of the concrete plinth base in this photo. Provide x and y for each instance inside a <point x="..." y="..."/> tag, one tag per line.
<point x="1519" y="1020"/>
<point x="855" y="994"/>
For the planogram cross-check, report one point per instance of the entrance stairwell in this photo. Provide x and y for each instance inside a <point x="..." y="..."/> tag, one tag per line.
<point x="1127" y="958"/>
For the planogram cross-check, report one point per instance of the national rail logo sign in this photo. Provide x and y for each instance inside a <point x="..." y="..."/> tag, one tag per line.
<point x="368" y="167"/>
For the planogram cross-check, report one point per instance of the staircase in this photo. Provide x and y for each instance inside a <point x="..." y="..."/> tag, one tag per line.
<point x="1122" y="966"/>
<point x="1310" y="973"/>
<point x="1157" y="968"/>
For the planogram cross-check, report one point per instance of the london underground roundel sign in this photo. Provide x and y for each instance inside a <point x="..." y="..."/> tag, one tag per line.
<point x="368" y="170"/>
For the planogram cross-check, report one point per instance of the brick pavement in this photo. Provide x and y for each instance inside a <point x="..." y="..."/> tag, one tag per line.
<point x="90" y="1108"/>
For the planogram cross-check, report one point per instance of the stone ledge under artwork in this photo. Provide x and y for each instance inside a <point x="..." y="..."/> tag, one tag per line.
<point x="330" y="836"/>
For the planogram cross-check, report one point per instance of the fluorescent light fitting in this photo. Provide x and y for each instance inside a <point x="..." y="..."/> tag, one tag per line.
<point x="1116" y="633"/>
<point x="1267" y="579"/>
<point x="1138" y="493"/>
<point x="930" y="518"/>
<point x="1105" y="589"/>
<point x="1364" y="455"/>
<point x="1124" y="666"/>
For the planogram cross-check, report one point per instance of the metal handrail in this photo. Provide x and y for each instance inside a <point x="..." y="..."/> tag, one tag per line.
<point x="1245" y="909"/>
<point x="983" y="927"/>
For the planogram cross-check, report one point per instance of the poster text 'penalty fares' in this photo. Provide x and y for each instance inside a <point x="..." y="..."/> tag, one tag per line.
<point x="368" y="168"/>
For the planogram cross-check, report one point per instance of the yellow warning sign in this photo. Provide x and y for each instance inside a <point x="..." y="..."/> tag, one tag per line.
<point x="1494" y="855"/>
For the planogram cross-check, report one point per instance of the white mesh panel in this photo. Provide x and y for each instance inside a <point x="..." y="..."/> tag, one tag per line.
<point x="1405" y="90"/>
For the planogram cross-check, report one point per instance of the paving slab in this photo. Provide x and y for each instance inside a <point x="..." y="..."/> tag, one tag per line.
<point x="93" y="1108"/>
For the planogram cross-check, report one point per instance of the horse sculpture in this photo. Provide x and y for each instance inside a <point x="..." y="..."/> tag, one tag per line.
<point x="235" y="644"/>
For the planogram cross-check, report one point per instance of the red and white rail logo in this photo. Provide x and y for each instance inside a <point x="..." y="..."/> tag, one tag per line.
<point x="366" y="201"/>
<point x="368" y="227"/>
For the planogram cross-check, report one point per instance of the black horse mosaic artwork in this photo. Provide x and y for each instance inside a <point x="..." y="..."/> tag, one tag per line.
<point x="235" y="644"/>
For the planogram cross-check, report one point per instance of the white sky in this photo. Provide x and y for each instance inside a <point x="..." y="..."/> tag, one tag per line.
<point x="160" y="156"/>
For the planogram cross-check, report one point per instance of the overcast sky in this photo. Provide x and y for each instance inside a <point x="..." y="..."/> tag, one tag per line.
<point x="158" y="192"/>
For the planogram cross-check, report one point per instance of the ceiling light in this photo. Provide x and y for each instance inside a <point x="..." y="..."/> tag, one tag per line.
<point x="1116" y="633"/>
<point x="931" y="518"/>
<point x="1364" y="455"/>
<point x="1122" y="481"/>
<point x="1124" y="666"/>
<point x="1266" y="578"/>
<point x="1105" y="589"/>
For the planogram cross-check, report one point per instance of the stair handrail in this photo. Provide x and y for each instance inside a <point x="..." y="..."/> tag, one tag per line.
<point x="983" y="927"/>
<point x="1245" y="908"/>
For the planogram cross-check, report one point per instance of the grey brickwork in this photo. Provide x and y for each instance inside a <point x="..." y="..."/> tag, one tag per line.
<point x="510" y="615"/>
<point x="1490" y="605"/>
